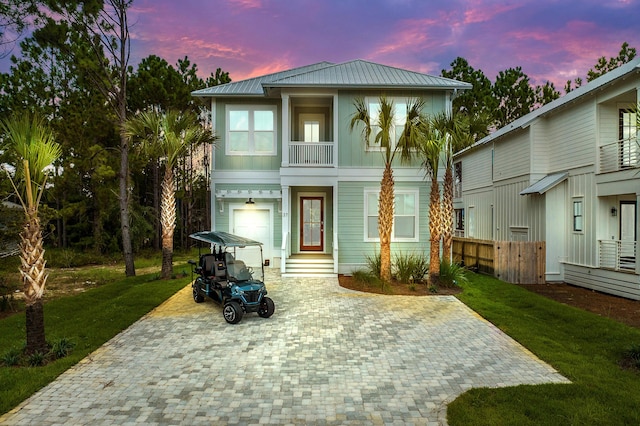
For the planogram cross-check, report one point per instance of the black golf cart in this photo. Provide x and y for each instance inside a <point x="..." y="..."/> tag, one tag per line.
<point x="222" y="276"/>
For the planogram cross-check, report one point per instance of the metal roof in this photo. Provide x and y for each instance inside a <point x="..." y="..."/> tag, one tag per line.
<point x="546" y="183"/>
<point x="353" y="74"/>
<point x="253" y="86"/>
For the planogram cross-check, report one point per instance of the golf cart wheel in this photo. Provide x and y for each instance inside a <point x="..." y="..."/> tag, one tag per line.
<point x="232" y="312"/>
<point x="199" y="298"/>
<point x="267" y="307"/>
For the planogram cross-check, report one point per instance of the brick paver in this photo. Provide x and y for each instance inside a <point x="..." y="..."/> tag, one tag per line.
<point x="327" y="356"/>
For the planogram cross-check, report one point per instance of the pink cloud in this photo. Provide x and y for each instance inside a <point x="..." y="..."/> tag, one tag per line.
<point x="481" y="11"/>
<point x="246" y="4"/>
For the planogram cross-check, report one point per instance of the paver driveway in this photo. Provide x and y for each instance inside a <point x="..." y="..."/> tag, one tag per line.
<point x="327" y="356"/>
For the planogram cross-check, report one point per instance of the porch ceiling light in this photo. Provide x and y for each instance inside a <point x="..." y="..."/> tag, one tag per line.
<point x="250" y="201"/>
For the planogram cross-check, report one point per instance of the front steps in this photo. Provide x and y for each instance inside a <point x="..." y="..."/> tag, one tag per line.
<point x="309" y="265"/>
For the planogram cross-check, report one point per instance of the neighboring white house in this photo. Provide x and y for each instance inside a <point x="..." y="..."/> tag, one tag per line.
<point x="568" y="174"/>
<point x="288" y="171"/>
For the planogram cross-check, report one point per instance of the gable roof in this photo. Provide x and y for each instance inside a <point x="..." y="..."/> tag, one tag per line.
<point x="353" y="74"/>
<point x="524" y="121"/>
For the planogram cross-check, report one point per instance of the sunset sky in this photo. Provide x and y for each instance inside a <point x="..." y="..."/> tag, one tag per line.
<point x="552" y="40"/>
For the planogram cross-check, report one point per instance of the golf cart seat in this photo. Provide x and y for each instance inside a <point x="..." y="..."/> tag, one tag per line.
<point x="212" y="267"/>
<point x="237" y="268"/>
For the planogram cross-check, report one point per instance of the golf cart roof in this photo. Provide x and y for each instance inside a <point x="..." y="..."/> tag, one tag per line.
<point x="223" y="239"/>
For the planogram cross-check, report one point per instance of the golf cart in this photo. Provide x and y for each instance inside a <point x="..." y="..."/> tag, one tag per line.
<point x="222" y="276"/>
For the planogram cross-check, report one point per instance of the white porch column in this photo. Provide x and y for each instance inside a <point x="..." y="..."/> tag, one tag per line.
<point x="286" y="228"/>
<point x="335" y="132"/>
<point x="335" y="228"/>
<point x="285" y="131"/>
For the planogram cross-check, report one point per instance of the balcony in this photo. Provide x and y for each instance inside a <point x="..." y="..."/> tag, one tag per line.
<point x="618" y="255"/>
<point x="311" y="154"/>
<point x="621" y="155"/>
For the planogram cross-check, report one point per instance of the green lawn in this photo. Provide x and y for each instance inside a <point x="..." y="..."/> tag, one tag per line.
<point x="584" y="347"/>
<point x="89" y="319"/>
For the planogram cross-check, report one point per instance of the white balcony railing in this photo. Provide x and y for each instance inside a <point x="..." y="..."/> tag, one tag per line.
<point x="620" y="155"/>
<point x="618" y="255"/>
<point x="311" y="154"/>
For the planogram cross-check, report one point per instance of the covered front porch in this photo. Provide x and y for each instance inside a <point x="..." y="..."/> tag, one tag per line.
<point x="309" y="235"/>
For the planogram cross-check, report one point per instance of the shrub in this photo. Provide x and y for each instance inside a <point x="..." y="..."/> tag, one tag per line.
<point x="36" y="359"/>
<point x="452" y="274"/>
<point x="61" y="348"/>
<point x="410" y="268"/>
<point x="12" y="357"/>
<point x="373" y="264"/>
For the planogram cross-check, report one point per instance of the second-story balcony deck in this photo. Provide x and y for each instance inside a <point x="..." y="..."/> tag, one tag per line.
<point x="621" y="155"/>
<point x="311" y="154"/>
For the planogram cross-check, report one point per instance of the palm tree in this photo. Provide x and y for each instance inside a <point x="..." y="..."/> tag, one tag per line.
<point x="34" y="147"/>
<point x="455" y="132"/>
<point x="430" y="152"/>
<point x="167" y="136"/>
<point x="409" y="140"/>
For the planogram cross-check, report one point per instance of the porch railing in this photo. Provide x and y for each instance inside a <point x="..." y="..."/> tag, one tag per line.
<point x="620" y="155"/>
<point x="457" y="190"/>
<point x="311" y="154"/>
<point x="618" y="255"/>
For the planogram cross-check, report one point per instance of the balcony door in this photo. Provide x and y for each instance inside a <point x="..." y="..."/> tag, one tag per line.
<point x="311" y="223"/>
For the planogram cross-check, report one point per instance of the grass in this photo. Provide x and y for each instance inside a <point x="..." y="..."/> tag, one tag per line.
<point x="87" y="319"/>
<point x="582" y="346"/>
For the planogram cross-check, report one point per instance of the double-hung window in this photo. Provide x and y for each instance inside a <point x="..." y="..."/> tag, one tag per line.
<point x="399" y="120"/>
<point x="578" y="215"/>
<point x="405" y="215"/>
<point x="251" y="130"/>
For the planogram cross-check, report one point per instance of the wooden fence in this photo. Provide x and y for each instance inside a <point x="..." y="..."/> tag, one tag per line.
<point x="518" y="262"/>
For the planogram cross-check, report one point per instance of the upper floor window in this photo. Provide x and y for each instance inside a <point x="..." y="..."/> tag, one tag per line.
<point x="251" y="130"/>
<point x="405" y="215"/>
<point x="399" y="119"/>
<point x="457" y="180"/>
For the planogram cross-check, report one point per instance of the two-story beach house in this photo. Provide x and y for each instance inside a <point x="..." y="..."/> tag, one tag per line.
<point x="288" y="171"/>
<point x="568" y="174"/>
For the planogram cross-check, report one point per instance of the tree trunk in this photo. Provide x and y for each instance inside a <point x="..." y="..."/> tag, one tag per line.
<point x="157" y="228"/>
<point x="168" y="219"/>
<point x="34" y="279"/>
<point x="385" y="221"/>
<point x="434" y="231"/>
<point x="447" y="215"/>
<point x="125" y="222"/>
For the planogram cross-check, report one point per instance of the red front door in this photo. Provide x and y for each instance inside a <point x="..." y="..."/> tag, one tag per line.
<point x="312" y="223"/>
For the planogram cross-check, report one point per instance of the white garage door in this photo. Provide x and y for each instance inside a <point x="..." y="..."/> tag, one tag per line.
<point x="254" y="223"/>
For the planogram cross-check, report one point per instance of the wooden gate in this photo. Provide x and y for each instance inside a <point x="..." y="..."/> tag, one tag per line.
<point x="518" y="262"/>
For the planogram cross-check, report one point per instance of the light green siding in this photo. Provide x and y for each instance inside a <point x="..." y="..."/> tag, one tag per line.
<point x="245" y="162"/>
<point x="351" y="147"/>
<point x="353" y="248"/>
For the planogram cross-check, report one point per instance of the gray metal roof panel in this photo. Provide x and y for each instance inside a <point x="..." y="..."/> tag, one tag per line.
<point x="361" y="73"/>
<point x="253" y="86"/>
<point x="545" y="184"/>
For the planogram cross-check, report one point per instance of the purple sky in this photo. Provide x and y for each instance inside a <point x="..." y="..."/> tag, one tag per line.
<point x="552" y="40"/>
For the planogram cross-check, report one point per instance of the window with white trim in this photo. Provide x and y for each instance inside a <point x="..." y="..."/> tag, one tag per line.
<point x="405" y="215"/>
<point x="399" y="120"/>
<point x="251" y="130"/>
<point x="578" y="216"/>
